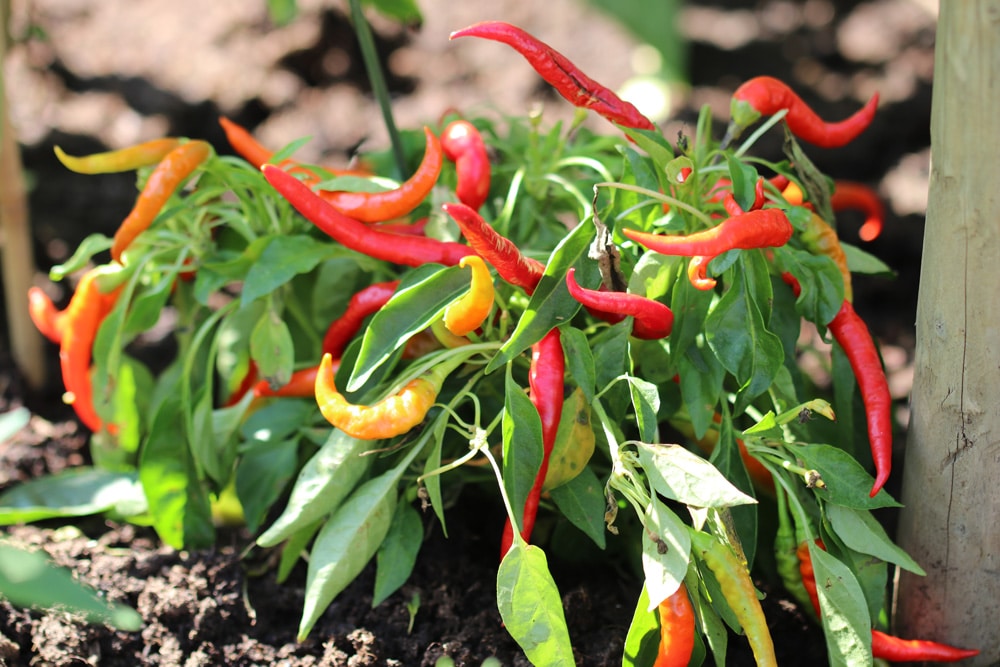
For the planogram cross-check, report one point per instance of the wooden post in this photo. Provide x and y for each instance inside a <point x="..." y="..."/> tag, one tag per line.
<point x="951" y="476"/>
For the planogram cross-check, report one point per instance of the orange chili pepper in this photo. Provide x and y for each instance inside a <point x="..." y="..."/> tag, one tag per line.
<point x="48" y="319"/>
<point x="301" y="385"/>
<point x="468" y="312"/>
<point x="821" y="239"/>
<point x="676" y="630"/>
<point x="850" y="195"/>
<point x="124" y="159"/>
<point x="257" y="154"/>
<point x="165" y="179"/>
<point x="381" y="206"/>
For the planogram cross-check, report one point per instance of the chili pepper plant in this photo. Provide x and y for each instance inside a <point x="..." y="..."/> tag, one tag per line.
<point x="601" y="326"/>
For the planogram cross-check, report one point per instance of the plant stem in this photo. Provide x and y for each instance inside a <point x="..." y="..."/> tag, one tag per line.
<point x="379" y="87"/>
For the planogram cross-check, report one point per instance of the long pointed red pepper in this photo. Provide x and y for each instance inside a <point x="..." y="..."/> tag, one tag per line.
<point x="380" y="206"/>
<point x="545" y="389"/>
<point x="557" y="70"/>
<point x="506" y="258"/>
<point x="765" y="96"/>
<point x="850" y="331"/>
<point x="302" y="384"/>
<point x="652" y="320"/>
<point x="396" y="248"/>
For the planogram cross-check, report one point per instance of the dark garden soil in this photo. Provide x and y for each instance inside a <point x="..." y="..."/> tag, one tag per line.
<point x="91" y="83"/>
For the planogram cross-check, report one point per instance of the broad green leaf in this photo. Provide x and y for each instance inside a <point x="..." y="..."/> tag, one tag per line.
<point x="147" y="305"/>
<point x="432" y="484"/>
<point x="737" y="332"/>
<point x="90" y="246"/>
<point x="701" y="386"/>
<point x="262" y="474"/>
<point x="665" y="560"/>
<point x="727" y="460"/>
<point x="277" y="420"/>
<point x="744" y="180"/>
<point x="551" y="304"/>
<point x="345" y="544"/>
<point x="851" y="434"/>
<point x="177" y="500"/>
<point x="531" y="608"/>
<point x="29" y="579"/>
<point x="212" y="276"/>
<point x="420" y="300"/>
<point x="653" y="143"/>
<point x="282" y="259"/>
<point x="213" y="457"/>
<point x="323" y="483"/>
<point x="582" y="501"/>
<point x="294" y="548"/>
<point x="685" y="477"/>
<point x="398" y="553"/>
<point x="845" y="481"/>
<point x="579" y="360"/>
<point x="643" y="639"/>
<point x="522" y="445"/>
<point x="127" y="407"/>
<point x="860" y="531"/>
<point x="272" y="348"/>
<point x="859" y="261"/>
<point x="820" y="279"/>
<point x="646" y="402"/>
<point x="846" y="623"/>
<point x="70" y="493"/>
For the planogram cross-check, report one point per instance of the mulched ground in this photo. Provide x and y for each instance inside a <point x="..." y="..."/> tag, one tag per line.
<point x="105" y="76"/>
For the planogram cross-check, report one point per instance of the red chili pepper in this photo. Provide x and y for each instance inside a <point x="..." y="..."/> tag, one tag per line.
<point x="87" y="309"/>
<point x="463" y="145"/>
<point x="557" y="70"/>
<point x="165" y="179"/>
<point x="391" y="204"/>
<point x="506" y="258"/>
<point x="246" y="384"/>
<point x="676" y="630"/>
<point x="653" y="320"/>
<point x="48" y="319"/>
<point x="850" y="195"/>
<point x="396" y="248"/>
<point x="766" y="228"/>
<point x="765" y="96"/>
<point x="850" y="332"/>
<point x="884" y="646"/>
<point x="258" y="155"/>
<point x="302" y="384"/>
<point x="417" y="228"/>
<point x="733" y="207"/>
<point x="124" y="159"/>
<point x="364" y="302"/>
<point x="545" y="389"/>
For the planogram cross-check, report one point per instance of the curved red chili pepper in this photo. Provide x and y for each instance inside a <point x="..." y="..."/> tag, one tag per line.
<point x="557" y="70"/>
<point x="49" y="320"/>
<point x="506" y="258"/>
<point x="463" y="145"/>
<point x="765" y="96"/>
<point x="545" y="389"/>
<point x="850" y="195"/>
<point x="850" y="332"/>
<point x="380" y="206"/>
<point x="364" y="302"/>
<point x="653" y="320"/>
<point x="417" y="228"/>
<point x="396" y="248"/>
<point x="302" y="384"/>
<point x="165" y="179"/>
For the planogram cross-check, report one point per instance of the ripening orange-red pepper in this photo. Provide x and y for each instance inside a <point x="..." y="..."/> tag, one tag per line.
<point x="124" y="159"/>
<point x="48" y="319"/>
<point x="469" y="311"/>
<point x="821" y="239"/>
<point x="677" y="626"/>
<point x="391" y="204"/>
<point x="302" y="384"/>
<point x="168" y="175"/>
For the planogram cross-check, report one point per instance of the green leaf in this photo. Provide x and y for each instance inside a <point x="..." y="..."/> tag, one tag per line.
<point x="581" y="500"/>
<point x="744" y="181"/>
<point x="345" y="544"/>
<point x="859" y="261"/>
<point x="653" y="142"/>
<point x="88" y="247"/>
<point x="685" y="477"/>
<point x="283" y="258"/>
<point x="701" y="386"/>
<point x="294" y="548"/>
<point x="522" y="445"/>
<point x="665" y="560"/>
<point x="147" y="305"/>
<point x="579" y="360"/>
<point x="820" y="279"/>
<point x="398" y="553"/>
<point x="29" y="579"/>
<point x="177" y="500"/>
<point x="846" y="482"/>
<point x="212" y="276"/>
<point x="646" y="402"/>
<point x="531" y="608"/>
<point x="261" y="477"/>
<point x="643" y="639"/>
<point x="860" y="531"/>
<point x="420" y="299"/>
<point x="272" y="348"/>
<point x="736" y="330"/>
<point x="551" y="303"/>
<point x="323" y="483"/>
<point x="404" y="11"/>
<point x="846" y="623"/>
<point x="72" y="492"/>
<point x="727" y="460"/>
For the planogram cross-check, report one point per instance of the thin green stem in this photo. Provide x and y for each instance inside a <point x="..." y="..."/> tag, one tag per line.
<point x="379" y="87"/>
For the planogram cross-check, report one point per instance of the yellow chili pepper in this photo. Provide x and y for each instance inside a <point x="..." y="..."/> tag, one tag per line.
<point x="469" y="312"/>
<point x="123" y="159"/>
